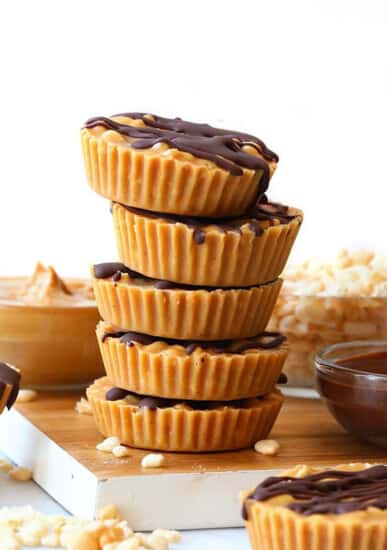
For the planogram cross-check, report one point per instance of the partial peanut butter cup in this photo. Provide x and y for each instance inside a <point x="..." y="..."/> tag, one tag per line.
<point x="137" y="303"/>
<point x="170" y="165"/>
<point x="181" y="369"/>
<point x="181" y="427"/>
<point x="328" y="508"/>
<point x="234" y="252"/>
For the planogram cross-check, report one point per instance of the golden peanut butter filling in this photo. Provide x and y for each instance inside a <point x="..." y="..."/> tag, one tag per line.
<point x="45" y="288"/>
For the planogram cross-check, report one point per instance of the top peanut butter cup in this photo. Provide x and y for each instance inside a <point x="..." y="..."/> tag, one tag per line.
<point x="174" y="166"/>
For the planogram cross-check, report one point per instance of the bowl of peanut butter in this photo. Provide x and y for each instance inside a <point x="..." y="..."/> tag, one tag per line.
<point x="47" y="329"/>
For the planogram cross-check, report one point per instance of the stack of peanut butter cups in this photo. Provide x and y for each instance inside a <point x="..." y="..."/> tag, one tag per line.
<point x="188" y="362"/>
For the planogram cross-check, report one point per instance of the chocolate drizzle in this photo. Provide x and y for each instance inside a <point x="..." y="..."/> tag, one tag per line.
<point x="115" y="394"/>
<point x="223" y="147"/>
<point x="10" y="377"/>
<point x="266" y="340"/>
<point x="264" y="211"/>
<point x="329" y="492"/>
<point x="153" y="403"/>
<point x="109" y="269"/>
<point x="115" y="271"/>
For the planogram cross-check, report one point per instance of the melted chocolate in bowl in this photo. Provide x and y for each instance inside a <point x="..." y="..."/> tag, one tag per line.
<point x="352" y="378"/>
<point x="374" y="362"/>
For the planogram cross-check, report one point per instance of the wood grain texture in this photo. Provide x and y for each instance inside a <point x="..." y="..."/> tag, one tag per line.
<point x="306" y="431"/>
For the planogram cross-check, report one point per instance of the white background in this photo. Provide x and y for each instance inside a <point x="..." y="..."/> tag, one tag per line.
<point x="309" y="77"/>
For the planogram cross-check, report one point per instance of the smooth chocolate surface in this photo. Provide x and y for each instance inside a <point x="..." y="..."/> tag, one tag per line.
<point x="330" y="492"/>
<point x="223" y="147"/>
<point x="9" y="376"/>
<point x="266" y="340"/>
<point x="373" y="363"/>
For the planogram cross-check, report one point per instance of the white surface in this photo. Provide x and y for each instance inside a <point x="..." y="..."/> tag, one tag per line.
<point x="13" y="493"/>
<point x="308" y="77"/>
<point x="146" y="501"/>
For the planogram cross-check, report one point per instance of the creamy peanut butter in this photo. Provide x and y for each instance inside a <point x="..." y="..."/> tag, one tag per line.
<point x="46" y="288"/>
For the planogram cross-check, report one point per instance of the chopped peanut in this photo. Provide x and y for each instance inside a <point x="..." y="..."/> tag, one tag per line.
<point x="20" y="474"/>
<point x="25" y="396"/>
<point x="120" y="451"/>
<point x="83" y="406"/>
<point x="108" y="444"/>
<point x="268" y="447"/>
<point x="28" y="527"/>
<point x="153" y="460"/>
<point x="110" y="511"/>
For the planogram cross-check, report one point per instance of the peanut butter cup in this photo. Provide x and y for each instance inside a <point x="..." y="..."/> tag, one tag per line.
<point x="237" y="252"/>
<point x="151" y="423"/>
<point x="171" y="165"/>
<point x="221" y="370"/>
<point x="137" y="303"/>
<point x="327" y="508"/>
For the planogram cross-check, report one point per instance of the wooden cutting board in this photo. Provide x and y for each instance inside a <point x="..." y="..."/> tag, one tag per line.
<point x="190" y="491"/>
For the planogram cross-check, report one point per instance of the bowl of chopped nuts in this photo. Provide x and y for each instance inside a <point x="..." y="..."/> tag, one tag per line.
<point x="327" y="303"/>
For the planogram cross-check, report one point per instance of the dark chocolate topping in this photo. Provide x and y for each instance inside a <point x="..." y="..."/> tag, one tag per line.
<point x="115" y="270"/>
<point x="115" y="394"/>
<point x="109" y="269"/>
<point x="329" y="492"/>
<point x="223" y="147"/>
<point x="153" y="403"/>
<point x="9" y="376"/>
<point x="261" y="212"/>
<point x="265" y="340"/>
<point x="117" y="276"/>
<point x="283" y="379"/>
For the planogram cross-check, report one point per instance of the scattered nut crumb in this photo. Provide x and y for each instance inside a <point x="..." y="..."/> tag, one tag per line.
<point x="153" y="460"/>
<point x="171" y="536"/>
<point x="5" y="466"/>
<point x="51" y="541"/>
<point x="268" y="447"/>
<point x="20" y="474"/>
<point x="83" y="406"/>
<point x="108" y="444"/>
<point x="110" y="511"/>
<point x="25" y="526"/>
<point x="25" y="396"/>
<point x="157" y="543"/>
<point x="120" y="451"/>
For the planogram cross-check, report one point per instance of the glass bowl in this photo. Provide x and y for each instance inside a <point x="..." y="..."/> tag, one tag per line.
<point x="356" y="398"/>
<point x="311" y="323"/>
